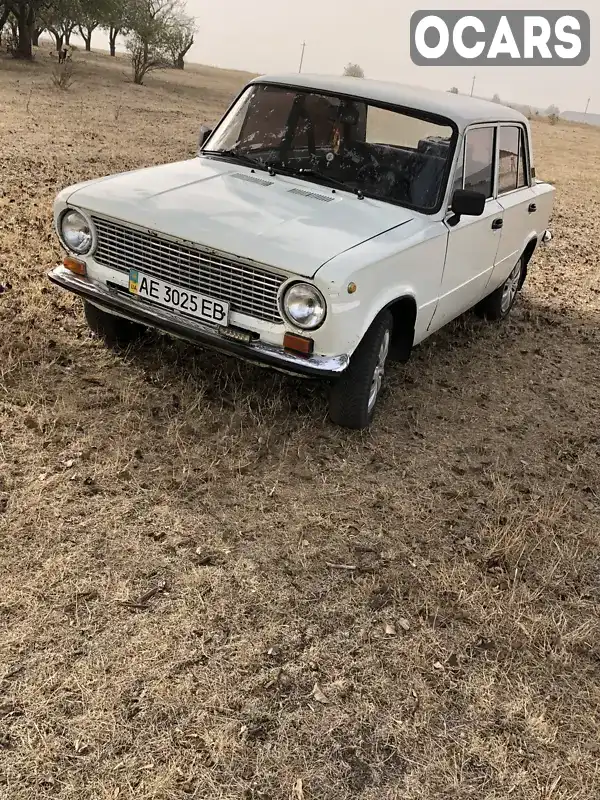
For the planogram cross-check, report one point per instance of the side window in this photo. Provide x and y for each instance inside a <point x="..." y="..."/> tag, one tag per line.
<point x="508" y="159"/>
<point x="479" y="161"/>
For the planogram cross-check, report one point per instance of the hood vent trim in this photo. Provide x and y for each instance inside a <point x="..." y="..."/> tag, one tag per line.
<point x="314" y="195"/>
<point x="241" y="176"/>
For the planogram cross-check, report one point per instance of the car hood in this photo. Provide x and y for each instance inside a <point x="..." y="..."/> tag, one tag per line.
<point x="285" y="222"/>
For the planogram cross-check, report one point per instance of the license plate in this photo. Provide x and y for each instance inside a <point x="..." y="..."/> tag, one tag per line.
<point x="178" y="299"/>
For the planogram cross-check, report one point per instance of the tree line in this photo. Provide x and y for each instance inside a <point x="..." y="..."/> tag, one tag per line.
<point x="158" y="33"/>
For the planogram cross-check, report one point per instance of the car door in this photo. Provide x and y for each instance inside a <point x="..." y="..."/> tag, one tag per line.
<point x="472" y="242"/>
<point x="517" y="199"/>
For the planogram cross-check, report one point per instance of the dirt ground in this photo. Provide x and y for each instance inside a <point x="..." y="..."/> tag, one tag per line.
<point x="208" y="591"/>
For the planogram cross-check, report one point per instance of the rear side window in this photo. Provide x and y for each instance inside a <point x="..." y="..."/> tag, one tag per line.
<point x="479" y="161"/>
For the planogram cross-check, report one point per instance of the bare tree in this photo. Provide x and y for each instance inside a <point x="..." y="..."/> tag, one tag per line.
<point x="23" y="17"/>
<point x="115" y="19"/>
<point x="180" y="39"/>
<point x="13" y="30"/>
<point x="496" y="99"/>
<point x="90" y="16"/>
<point x="150" y="25"/>
<point x="36" y="32"/>
<point x="553" y="114"/>
<point x="60" y="18"/>
<point x="8" y="28"/>
<point x="453" y="90"/>
<point x="354" y="71"/>
<point x="4" y="15"/>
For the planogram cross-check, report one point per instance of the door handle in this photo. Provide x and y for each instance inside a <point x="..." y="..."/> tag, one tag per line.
<point x="532" y="208"/>
<point x="497" y="224"/>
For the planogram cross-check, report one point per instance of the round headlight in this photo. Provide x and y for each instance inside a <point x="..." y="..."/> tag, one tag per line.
<point x="304" y="306"/>
<point x="76" y="232"/>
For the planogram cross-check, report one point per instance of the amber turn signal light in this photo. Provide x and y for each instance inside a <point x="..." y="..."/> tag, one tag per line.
<point x="300" y="344"/>
<point x="74" y="264"/>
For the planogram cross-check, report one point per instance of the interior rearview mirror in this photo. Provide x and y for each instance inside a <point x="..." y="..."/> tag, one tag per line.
<point x="205" y="132"/>
<point x="466" y="202"/>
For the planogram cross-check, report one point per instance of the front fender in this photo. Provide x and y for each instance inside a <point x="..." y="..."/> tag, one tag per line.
<point x="407" y="262"/>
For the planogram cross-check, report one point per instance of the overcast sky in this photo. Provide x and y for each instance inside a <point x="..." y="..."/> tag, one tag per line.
<point x="266" y="36"/>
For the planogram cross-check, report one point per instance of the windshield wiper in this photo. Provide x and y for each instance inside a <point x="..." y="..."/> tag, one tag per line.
<point x="331" y="180"/>
<point x="232" y="153"/>
<point x="276" y="166"/>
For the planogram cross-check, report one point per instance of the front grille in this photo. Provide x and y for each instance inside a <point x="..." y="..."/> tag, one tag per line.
<point x="248" y="289"/>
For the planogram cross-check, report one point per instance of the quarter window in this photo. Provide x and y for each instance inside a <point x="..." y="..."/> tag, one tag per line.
<point x="458" y="172"/>
<point x="479" y="161"/>
<point x="523" y="174"/>
<point x="512" y="162"/>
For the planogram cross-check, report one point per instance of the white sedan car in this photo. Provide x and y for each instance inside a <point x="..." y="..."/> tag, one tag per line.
<point x="325" y="226"/>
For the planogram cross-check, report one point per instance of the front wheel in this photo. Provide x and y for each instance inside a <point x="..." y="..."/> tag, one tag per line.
<point x="353" y="396"/>
<point x="499" y="303"/>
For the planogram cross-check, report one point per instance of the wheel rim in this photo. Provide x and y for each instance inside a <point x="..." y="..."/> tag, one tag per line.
<point x="510" y="288"/>
<point x="379" y="370"/>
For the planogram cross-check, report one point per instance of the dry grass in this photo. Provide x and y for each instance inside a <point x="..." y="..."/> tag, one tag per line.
<point x="62" y="75"/>
<point x="469" y="515"/>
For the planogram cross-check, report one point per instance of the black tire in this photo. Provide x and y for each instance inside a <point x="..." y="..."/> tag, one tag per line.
<point x="497" y="305"/>
<point x="114" y="331"/>
<point x="349" y="395"/>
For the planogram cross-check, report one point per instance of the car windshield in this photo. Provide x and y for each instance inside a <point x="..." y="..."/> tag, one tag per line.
<point x="344" y="142"/>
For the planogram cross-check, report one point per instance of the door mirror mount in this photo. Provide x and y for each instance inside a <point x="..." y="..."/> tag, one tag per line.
<point x="466" y="202"/>
<point x="205" y="132"/>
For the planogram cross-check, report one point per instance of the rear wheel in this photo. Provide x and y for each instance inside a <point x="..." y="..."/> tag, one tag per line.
<point x="499" y="303"/>
<point x="114" y="331"/>
<point x="354" y="395"/>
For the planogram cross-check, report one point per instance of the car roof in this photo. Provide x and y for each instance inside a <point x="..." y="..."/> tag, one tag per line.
<point x="462" y="109"/>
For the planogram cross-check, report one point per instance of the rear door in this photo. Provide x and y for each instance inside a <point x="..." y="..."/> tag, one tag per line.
<point x="516" y="197"/>
<point x="473" y="242"/>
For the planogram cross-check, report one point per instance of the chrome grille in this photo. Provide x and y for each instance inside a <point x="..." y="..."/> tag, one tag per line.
<point x="248" y="289"/>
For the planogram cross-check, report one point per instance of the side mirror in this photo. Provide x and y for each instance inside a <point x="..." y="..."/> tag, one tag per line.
<point x="468" y="203"/>
<point x="205" y="132"/>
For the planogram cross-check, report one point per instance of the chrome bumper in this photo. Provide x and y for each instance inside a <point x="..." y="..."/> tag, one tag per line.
<point x="136" y="310"/>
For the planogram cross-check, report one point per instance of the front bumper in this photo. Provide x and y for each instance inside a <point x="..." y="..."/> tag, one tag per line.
<point x="195" y="331"/>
